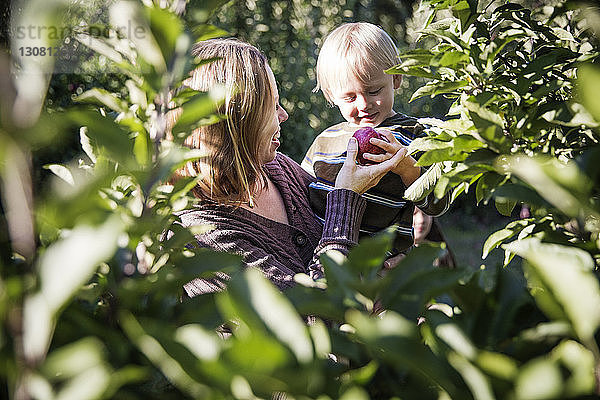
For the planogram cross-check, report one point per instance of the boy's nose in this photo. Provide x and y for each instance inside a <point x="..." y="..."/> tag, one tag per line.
<point x="361" y="103"/>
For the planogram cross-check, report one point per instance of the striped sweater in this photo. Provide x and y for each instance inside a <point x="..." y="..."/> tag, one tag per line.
<point x="386" y="205"/>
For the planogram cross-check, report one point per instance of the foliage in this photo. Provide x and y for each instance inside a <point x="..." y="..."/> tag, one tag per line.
<point x="90" y="286"/>
<point x="515" y="116"/>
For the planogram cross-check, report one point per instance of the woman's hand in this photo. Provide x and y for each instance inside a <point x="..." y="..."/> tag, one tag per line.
<point x="360" y="178"/>
<point x="406" y="168"/>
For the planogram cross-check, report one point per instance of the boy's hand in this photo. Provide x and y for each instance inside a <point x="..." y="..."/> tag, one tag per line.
<point x="406" y="167"/>
<point x="360" y="178"/>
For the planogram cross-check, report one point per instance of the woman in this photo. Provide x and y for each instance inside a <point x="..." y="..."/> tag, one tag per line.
<point x="255" y="197"/>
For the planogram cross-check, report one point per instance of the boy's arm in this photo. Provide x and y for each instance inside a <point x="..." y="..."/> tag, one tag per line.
<point x="407" y="170"/>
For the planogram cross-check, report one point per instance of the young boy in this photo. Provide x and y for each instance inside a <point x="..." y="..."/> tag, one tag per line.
<point x="350" y="72"/>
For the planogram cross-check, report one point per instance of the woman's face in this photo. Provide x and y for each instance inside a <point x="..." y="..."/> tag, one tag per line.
<point x="269" y="141"/>
<point x="421" y="225"/>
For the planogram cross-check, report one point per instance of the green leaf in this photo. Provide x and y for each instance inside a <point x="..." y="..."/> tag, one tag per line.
<point x="362" y="375"/>
<point x="157" y="354"/>
<point x="396" y="284"/>
<point x="139" y="31"/>
<point x="63" y="268"/>
<point x="453" y="59"/>
<point x="86" y="145"/>
<point x="107" y="136"/>
<point x="166" y="29"/>
<point x="424" y="184"/>
<point x="548" y="59"/>
<point x="89" y="384"/>
<point x="419" y="71"/>
<point x="368" y="257"/>
<point x="70" y="360"/>
<point x="339" y="279"/>
<point x="203" y="262"/>
<point x="355" y="393"/>
<point x="486" y="185"/>
<point x="540" y="378"/>
<point x="442" y="186"/>
<point x="481" y="156"/>
<point x="206" y="31"/>
<point x="561" y="184"/>
<point x="505" y="206"/>
<point x="588" y="87"/>
<point x="438" y="156"/>
<point x="256" y="297"/>
<point x="498" y="237"/>
<point x="195" y="113"/>
<point x="204" y="344"/>
<point x="466" y="143"/>
<point x="489" y="125"/>
<point x="563" y="283"/>
<point x="142" y="148"/>
<point x="546" y="331"/>
<point x="321" y="339"/>
<point x="394" y="339"/>
<point x="521" y="193"/>
<point x="426" y="144"/>
<point x="102" y="97"/>
<point x="497" y="364"/>
<point x="438" y="87"/>
<point x="580" y="363"/>
<point x="478" y="383"/>
<point x="423" y="56"/>
<point x="70" y="262"/>
<point x="101" y="46"/>
<point x="62" y="172"/>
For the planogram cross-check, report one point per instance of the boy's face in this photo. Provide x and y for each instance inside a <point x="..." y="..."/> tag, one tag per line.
<point x="366" y="104"/>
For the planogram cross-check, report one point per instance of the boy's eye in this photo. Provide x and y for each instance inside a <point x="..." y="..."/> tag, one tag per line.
<point x="349" y="99"/>
<point x="374" y="92"/>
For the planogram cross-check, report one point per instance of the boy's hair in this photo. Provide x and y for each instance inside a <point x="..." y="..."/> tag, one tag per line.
<point x="232" y="165"/>
<point x="356" y="49"/>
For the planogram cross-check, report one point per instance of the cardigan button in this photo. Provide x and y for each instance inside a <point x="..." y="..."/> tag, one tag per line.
<point x="300" y="239"/>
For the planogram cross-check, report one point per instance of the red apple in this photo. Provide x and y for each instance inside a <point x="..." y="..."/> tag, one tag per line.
<point x="363" y="136"/>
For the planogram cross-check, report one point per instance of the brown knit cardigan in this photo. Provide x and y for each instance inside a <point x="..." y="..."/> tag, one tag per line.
<point x="279" y="250"/>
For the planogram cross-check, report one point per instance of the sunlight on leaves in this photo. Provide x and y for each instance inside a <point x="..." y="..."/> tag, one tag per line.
<point x="202" y="343"/>
<point x="275" y="311"/>
<point x="566" y="276"/>
<point x="539" y="379"/>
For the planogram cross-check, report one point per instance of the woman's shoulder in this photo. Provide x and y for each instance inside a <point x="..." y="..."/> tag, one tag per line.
<point x="283" y="163"/>
<point x="203" y="213"/>
<point x="284" y="160"/>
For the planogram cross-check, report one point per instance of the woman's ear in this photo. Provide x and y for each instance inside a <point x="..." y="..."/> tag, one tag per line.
<point x="397" y="81"/>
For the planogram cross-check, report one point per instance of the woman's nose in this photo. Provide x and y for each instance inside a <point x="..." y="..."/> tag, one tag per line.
<point x="282" y="114"/>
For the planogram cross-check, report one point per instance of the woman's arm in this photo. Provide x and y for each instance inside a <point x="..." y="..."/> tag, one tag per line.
<point x="343" y="215"/>
<point x="345" y="206"/>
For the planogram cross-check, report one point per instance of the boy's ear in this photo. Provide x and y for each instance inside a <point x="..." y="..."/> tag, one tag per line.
<point x="397" y="81"/>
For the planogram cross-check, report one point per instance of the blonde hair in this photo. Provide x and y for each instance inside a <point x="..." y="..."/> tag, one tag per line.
<point x="354" y="49"/>
<point x="232" y="165"/>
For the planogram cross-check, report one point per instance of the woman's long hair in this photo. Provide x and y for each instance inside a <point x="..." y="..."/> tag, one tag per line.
<point x="232" y="167"/>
